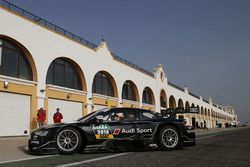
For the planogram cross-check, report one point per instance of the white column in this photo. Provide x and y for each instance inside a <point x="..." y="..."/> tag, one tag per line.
<point x="89" y="104"/>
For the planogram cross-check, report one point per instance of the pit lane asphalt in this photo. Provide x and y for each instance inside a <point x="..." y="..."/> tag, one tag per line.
<point x="227" y="148"/>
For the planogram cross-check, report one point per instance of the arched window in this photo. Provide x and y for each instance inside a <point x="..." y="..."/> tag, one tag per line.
<point x="129" y="91"/>
<point x="13" y="61"/>
<point x="198" y="108"/>
<point x="202" y="111"/>
<point x="102" y="84"/>
<point x="163" y="99"/>
<point x="147" y="96"/>
<point x="172" y="103"/>
<point x="180" y="103"/>
<point x="187" y="105"/>
<point x="62" y="73"/>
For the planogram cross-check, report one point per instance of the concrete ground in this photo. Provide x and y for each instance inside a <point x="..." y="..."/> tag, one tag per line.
<point x="228" y="149"/>
<point x="13" y="148"/>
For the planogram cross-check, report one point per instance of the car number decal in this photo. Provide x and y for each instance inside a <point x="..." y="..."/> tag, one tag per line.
<point x="102" y="131"/>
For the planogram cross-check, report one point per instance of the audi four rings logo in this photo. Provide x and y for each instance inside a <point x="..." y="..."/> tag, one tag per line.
<point x="116" y="131"/>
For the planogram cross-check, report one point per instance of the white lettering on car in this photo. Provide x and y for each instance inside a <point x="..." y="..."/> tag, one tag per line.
<point x="128" y="130"/>
<point x="137" y="130"/>
<point x="103" y="131"/>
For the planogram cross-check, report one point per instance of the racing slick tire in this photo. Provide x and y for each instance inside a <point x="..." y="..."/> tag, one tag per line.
<point x="169" y="138"/>
<point x="68" y="141"/>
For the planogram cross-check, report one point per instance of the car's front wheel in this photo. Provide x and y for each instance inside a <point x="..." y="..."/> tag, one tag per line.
<point x="169" y="138"/>
<point x="68" y="141"/>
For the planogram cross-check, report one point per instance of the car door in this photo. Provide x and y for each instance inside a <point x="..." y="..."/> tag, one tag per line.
<point x="146" y="124"/>
<point x="122" y="123"/>
<point x="115" y="124"/>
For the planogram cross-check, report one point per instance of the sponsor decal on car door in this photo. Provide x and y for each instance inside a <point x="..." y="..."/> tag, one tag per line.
<point x="122" y="130"/>
<point x="102" y="131"/>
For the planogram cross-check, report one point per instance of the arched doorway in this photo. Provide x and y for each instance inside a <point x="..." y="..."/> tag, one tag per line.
<point x="187" y="105"/>
<point x="18" y="78"/>
<point x="172" y="103"/>
<point x="148" y="100"/>
<point x="181" y="105"/>
<point x="163" y="99"/>
<point x="130" y="95"/>
<point x="65" y="89"/>
<point x="104" y="91"/>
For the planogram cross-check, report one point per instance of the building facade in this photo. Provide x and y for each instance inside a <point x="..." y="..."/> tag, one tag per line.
<point x="43" y="65"/>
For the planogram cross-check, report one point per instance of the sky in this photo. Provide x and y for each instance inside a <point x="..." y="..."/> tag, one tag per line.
<point x="202" y="44"/>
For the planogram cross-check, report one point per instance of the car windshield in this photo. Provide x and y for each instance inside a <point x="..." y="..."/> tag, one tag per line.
<point x="92" y="114"/>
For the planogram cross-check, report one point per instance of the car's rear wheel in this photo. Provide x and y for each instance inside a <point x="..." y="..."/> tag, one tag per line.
<point x="169" y="138"/>
<point x="68" y="141"/>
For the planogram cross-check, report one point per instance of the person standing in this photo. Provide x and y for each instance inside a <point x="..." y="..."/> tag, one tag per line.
<point x="41" y="116"/>
<point x="57" y="116"/>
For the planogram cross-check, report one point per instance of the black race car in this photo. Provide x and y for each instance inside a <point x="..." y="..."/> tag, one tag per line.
<point x="112" y="129"/>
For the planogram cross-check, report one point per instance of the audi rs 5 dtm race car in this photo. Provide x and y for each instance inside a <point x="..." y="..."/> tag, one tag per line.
<point x="112" y="129"/>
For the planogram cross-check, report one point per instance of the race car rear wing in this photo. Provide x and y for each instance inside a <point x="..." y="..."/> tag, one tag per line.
<point x="171" y="113"/>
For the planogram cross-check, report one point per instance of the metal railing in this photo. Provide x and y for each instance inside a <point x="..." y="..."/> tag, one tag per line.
<point x="192" y="94"/>
<point x="175" y="86"/>
<point x="205" y="101"/>
<point x="45" y="23"/>
<point x="40" y="21"/>
<point x="132" y="65"/>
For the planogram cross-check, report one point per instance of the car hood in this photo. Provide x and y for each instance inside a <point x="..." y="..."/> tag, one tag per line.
<point x="51" y="126"/>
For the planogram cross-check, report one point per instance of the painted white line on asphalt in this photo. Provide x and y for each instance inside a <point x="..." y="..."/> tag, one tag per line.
<point x="24" y="159"/>
<point x="95" y="159"/>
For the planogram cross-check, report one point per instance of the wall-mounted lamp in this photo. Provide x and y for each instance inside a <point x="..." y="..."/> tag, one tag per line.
<point x="68" y="95"/>
<point x="121" y="102"/>
<point x="6" y="84"/>
<point x="90" y="98"/>
<point x="88" y="104"/>
<point x="132" y="105"/>
<point x="42" y="90"/>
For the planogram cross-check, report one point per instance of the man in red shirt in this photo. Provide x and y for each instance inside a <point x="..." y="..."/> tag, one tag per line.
<point x="41" y="116"/>
<point x="57" y="116"/>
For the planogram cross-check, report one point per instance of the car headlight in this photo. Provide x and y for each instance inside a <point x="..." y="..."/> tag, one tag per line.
<point x="41" y="133"/>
